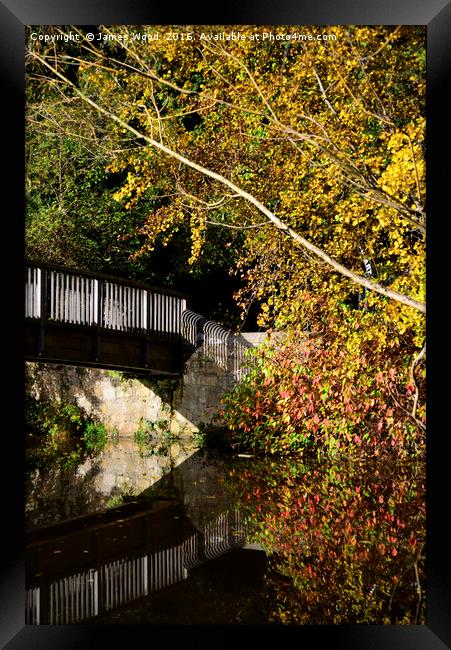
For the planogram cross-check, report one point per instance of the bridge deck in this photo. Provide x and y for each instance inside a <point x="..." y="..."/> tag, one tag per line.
<point x="84" y="319"/>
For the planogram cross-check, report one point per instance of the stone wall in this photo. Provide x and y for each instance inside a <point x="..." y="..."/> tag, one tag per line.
<point x="126" y="404"/>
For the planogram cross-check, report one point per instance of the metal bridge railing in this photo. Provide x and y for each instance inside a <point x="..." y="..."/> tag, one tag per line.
<point x="226" y="349"/>
<point x="62" y="296"/>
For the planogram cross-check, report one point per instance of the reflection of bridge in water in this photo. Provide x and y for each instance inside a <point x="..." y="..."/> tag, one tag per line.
<point x="120" y="561"/>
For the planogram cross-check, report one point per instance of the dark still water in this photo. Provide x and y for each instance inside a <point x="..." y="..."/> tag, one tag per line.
<point x="220" y="538"/>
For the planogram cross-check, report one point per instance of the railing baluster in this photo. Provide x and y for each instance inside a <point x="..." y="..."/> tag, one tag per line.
<point x="76" y="300"/>
<point x="62" y="296"/>
<point x="86" y="301"/>
<point x="172" y="299"/>
<point x="38" y="605"/>
<point x="144" y="310"/>
<point x="130" y="314"/>
<point x="52" y="294"/>
<point x="130" y="564"/>
<point x="68" y="313"/>
<point x="90" y="296"/>
<point x="159" y="313"/>
<point x="72" y="295"/>
<point x="38" y="300"/>
<point x="82" y="301"/>
<point x="52" y="609"/>
<point x="65" y="281"/>
<point x="139" y="301"/>
<point x="136" y="311"/>
<point x="120" y="307"/>
<point x="124" y="309"/>
<point x="150" y="306"/>
<point x="136" y="308"/>
<point x="127" y="310"/>
<point x="166" y="314"/>
<point x="34" y="293"/>
<point x="146" y="575"/>
<point x="173" y="304"/>
<point x="97" y="307"/>
<point x="114" y="305"/>
<point x="121" y="312"/>
<point x="121" y="581"/>
<point x="96" y="593"/>
<point x="81" y="298"/>
<point x="105" y="304"/>
<point x="90" y="300"/>
<point x="29" y="292"/>
<point x="56" y="314"/>
<point x="69" y="298"/>
<point x="126" y="292"/>
<point x="108" y="305"/>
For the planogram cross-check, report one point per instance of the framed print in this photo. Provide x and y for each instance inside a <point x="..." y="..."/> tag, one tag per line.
<point x="358" y="158"/>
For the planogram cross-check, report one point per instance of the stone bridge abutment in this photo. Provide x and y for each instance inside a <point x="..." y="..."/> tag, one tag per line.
<point x="126" y="402"/>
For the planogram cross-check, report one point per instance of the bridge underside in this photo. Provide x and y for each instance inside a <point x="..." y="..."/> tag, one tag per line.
<point x="84" y="346"/>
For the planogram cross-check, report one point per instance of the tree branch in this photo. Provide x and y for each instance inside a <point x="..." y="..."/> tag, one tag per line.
<point x="336" y="266"/>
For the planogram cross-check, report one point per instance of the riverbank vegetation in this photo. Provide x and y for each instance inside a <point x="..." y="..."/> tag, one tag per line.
<point x="60" y="434"/>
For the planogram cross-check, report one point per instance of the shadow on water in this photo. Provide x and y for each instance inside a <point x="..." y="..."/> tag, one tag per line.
<point x="176" y="553"/>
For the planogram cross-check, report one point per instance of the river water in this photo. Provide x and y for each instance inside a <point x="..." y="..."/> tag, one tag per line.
<point x="176" y="535"/>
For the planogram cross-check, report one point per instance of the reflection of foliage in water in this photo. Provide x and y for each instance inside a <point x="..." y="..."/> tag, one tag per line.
<point x="155" y="438"/>
<point x="60" y="434"/>
<point x="345" y="539"/>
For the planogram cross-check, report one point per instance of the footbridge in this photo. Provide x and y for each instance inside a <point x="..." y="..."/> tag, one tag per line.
<point x="74" y="318"/>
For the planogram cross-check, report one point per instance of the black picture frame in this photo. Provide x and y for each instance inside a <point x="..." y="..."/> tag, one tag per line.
<point x="14" y="16"/>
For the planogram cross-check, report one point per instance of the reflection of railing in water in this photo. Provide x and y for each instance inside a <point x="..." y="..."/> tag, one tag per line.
<point x="86" y="594"/>
<point x="219" y="344"/>
<point x="73" y="598"/>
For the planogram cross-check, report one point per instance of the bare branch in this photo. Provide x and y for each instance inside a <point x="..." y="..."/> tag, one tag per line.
<point x="323" y="92"/>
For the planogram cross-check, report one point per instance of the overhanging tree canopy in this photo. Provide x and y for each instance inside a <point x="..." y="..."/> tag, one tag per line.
<point x="316" y="149"/>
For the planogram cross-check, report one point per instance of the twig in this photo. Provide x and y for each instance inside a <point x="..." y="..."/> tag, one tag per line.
<point x="416" y="360"/>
